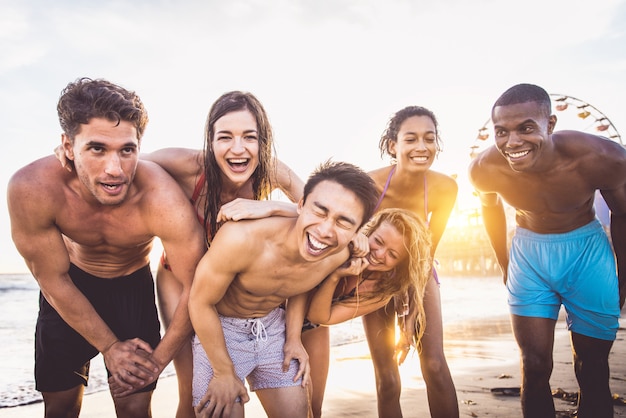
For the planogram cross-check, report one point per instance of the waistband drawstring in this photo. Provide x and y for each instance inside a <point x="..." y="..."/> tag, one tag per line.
<point x="258" y="329"/>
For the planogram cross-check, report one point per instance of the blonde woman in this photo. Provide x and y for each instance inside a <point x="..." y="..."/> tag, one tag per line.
<point x="399" y="259"/>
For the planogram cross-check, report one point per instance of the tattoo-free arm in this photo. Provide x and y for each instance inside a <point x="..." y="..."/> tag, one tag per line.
<point x="618" y="237"/>
<point x="616" y="201"/>
<point x="215" y="273"/>
<point x="289" y="182"/>
<point x="183" y="241"/>
<point x="294" y="317"/>
<point x="39" y="241"/>
<point x="323" y="311"/>
<point x="441" y="214"/>
<point x="494" y="219"/>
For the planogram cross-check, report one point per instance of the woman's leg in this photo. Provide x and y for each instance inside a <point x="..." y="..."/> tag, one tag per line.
<point x="169" y="290"/>
<point x="381" y="338"/>
<point x="442" y="399"/>
<point x="316" y="341"/>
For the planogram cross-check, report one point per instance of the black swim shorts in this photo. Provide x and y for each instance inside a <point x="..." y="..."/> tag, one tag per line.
<point x="126" y="304"/>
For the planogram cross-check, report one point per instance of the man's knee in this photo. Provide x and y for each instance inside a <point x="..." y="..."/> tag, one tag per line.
<point x="134" y="406"/>
<point x="63" y="404"/>
<point x="536" y="366"/>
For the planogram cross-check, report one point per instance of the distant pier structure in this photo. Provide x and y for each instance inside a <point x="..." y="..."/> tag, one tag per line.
<point x="464" y="248"/>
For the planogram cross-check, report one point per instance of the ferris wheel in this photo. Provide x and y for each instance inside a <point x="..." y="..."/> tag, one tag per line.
<point x="573" y="114"/>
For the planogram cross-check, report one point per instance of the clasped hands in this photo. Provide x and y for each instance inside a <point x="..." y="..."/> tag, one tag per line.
<point x="131" y="365"/>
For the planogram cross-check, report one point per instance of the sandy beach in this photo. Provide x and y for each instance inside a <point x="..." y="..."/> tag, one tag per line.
<point x="482" y="355"/>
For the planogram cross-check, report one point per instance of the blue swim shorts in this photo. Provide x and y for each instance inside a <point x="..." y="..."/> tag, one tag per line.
<point x="575" y="269"/>
<point x="255" y="346"/>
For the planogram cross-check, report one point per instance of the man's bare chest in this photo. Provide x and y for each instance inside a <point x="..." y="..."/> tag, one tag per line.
<point x="115" y="228"/>
<point x="283" y="280"/>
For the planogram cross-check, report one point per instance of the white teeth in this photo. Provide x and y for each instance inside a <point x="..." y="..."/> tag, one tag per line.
<point x="238" y="160"/>
<point x="316" y="245"/>
<point x="518" y="154"/>
<point x="420" y="159"/>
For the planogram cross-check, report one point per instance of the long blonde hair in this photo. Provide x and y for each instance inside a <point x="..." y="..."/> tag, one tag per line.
<point x="415" y="271"/>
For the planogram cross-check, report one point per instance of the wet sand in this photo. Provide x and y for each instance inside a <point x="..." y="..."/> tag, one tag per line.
<point x="482" y="355"/>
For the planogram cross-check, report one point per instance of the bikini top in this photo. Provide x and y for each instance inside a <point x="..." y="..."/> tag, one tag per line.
<point x="198" y="188"/>
<point x="194" y="198"/>
<point x="382" y="195"/>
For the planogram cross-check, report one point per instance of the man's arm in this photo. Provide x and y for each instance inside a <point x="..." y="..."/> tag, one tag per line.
<point x="616" y="201"/>
<point x="610" y="168"/>
<point x="174" y="222"/>
<point x="618" y="237"/>
<point x="482" y="174"/>
<point x="293" y="349"/>
<point x="227" y="256"/>
<point x="494" y="219"/>
<point x="40" y="242"/>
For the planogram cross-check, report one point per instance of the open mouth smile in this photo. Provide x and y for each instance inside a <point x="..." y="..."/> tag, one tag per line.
<point x="373" y="261"/>
<point x="238" y="164"/>
<point x="517" y="155"/>
<point x="316" y="247"/>
<point x="112" y="187"/>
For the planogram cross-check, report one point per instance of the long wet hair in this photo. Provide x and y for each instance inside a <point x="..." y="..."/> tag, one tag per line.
<point x="415" y="271"/>
<point x="261" y="178"/>
<point x="390" y="134"/>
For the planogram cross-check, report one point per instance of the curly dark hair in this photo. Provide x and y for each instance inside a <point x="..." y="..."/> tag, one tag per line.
<point x="390" y="134"/>
<point x="85" y="99"/>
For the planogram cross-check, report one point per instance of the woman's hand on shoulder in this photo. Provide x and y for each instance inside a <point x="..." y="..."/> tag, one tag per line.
<point x="359" y="245"/>
<point x="241" y="208"/>
<point x="353" y="267"/>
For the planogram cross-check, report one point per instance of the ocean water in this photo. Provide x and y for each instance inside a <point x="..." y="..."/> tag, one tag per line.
<point x="463" y="299"/>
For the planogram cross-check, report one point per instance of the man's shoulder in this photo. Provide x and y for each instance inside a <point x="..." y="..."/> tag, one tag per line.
<point x="151" y="170"/>
<point x="484" y="163"/>
<point x="39" y="191"/>
<point x="152" y="179"/>
<point x="45" y="175"/>
<point x="576" y="144"/>
<point x="250" y="237"/>
<point x="573" y="138"/>
<point x="268" y="227"/>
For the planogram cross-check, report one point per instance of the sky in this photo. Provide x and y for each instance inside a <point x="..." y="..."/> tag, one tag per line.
<point x="330" y="73"/>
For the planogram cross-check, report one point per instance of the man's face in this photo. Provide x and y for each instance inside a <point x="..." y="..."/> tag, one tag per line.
<point x="105" y="156"/>
<point x="522" y="132"/>
<point x="328" y="220"/>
